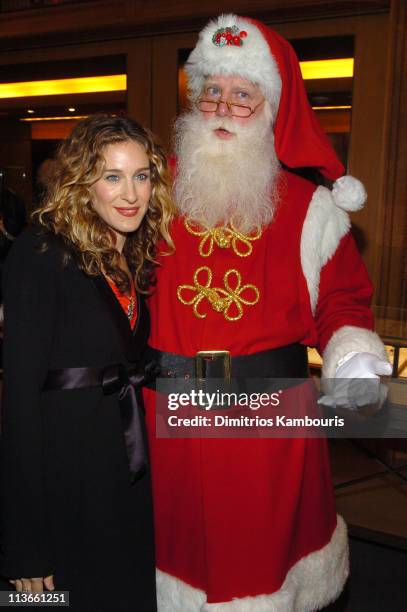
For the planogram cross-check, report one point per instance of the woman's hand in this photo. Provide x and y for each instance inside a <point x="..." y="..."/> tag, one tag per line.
<point x="34" y="585"/>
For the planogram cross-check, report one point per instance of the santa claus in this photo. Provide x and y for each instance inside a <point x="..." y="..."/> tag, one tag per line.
<point x="264" y="266"/>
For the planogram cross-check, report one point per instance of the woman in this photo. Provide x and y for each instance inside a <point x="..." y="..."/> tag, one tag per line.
<point x="77" y="507"/>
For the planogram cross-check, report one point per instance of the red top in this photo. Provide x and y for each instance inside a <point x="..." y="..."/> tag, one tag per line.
<point x="127" y="302"/>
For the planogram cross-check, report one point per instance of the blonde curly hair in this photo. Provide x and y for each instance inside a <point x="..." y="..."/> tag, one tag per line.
<point x="68" y="211"/>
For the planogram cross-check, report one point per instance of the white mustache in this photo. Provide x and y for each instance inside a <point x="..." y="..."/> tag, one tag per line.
<point x="223" y="123"/>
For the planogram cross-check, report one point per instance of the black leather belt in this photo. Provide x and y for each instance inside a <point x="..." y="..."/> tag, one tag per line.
<point x="284" y="362"/>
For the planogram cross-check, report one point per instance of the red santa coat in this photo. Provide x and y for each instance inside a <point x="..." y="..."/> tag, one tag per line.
<point x="252" y="523"/>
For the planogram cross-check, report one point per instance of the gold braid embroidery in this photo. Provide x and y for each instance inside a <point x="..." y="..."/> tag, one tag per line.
<point x="221" y="299"/>
<point x="224" y="237"/>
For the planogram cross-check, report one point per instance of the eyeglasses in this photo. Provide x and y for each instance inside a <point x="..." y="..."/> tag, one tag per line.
<point x="235" y="110"/>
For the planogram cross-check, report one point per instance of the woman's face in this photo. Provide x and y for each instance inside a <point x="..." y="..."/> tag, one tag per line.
<point x="121" y="195"/>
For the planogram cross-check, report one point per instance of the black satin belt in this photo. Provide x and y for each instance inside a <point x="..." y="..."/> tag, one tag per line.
<point x="112" y="379"/>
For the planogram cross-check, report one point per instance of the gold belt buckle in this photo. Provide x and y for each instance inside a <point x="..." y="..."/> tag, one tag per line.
<point x="214" y="358"/>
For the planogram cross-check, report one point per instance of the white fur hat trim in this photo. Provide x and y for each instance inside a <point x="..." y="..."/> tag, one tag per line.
<point x="252" y="60"/>
<point x="349" y="193"/>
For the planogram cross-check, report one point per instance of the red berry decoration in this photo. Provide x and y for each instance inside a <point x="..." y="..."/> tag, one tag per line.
<point x="228" y="36"/>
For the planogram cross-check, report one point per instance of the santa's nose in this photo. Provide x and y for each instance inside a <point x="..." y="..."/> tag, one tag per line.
<point x="222" y="109"/>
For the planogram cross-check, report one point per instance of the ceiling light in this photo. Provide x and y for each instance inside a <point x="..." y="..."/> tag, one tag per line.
<point x="55" y="87"/>
<point x="347" y="107"/>
<point x="69" y="117"/>
<point x="327" y="69"/>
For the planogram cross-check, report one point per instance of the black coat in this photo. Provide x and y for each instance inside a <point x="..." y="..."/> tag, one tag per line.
<point x="68" y="506"/>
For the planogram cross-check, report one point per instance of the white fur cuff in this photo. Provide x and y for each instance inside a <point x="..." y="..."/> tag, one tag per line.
<point x="349" y="339"/>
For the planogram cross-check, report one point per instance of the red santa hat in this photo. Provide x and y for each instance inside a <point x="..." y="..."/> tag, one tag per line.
<point x="232" y="45"/>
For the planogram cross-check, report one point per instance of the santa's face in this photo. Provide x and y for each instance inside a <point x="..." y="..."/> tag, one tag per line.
<point x="232" y="93"/>
<point x="227" y="165"/>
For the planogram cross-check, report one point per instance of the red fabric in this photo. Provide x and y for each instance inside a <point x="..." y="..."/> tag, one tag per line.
<point x="282" y="315"/>
<point x="343" y="303"/>
<point x="233" y="516"/>
<point x="173" y="166"/>
<point x="124" y="301"/>
<point x="299" y="138"/>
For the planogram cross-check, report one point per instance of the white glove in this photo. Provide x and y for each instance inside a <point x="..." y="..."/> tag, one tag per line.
<point x="357" y="382"/>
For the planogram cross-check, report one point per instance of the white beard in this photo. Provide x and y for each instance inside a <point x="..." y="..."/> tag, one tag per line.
<point x="220" y="181"/>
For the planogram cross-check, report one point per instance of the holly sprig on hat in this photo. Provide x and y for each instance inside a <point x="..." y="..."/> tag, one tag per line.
<point x="231" y="35"/>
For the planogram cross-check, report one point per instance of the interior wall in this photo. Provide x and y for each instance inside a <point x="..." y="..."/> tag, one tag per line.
<point x="392" y="239"/>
